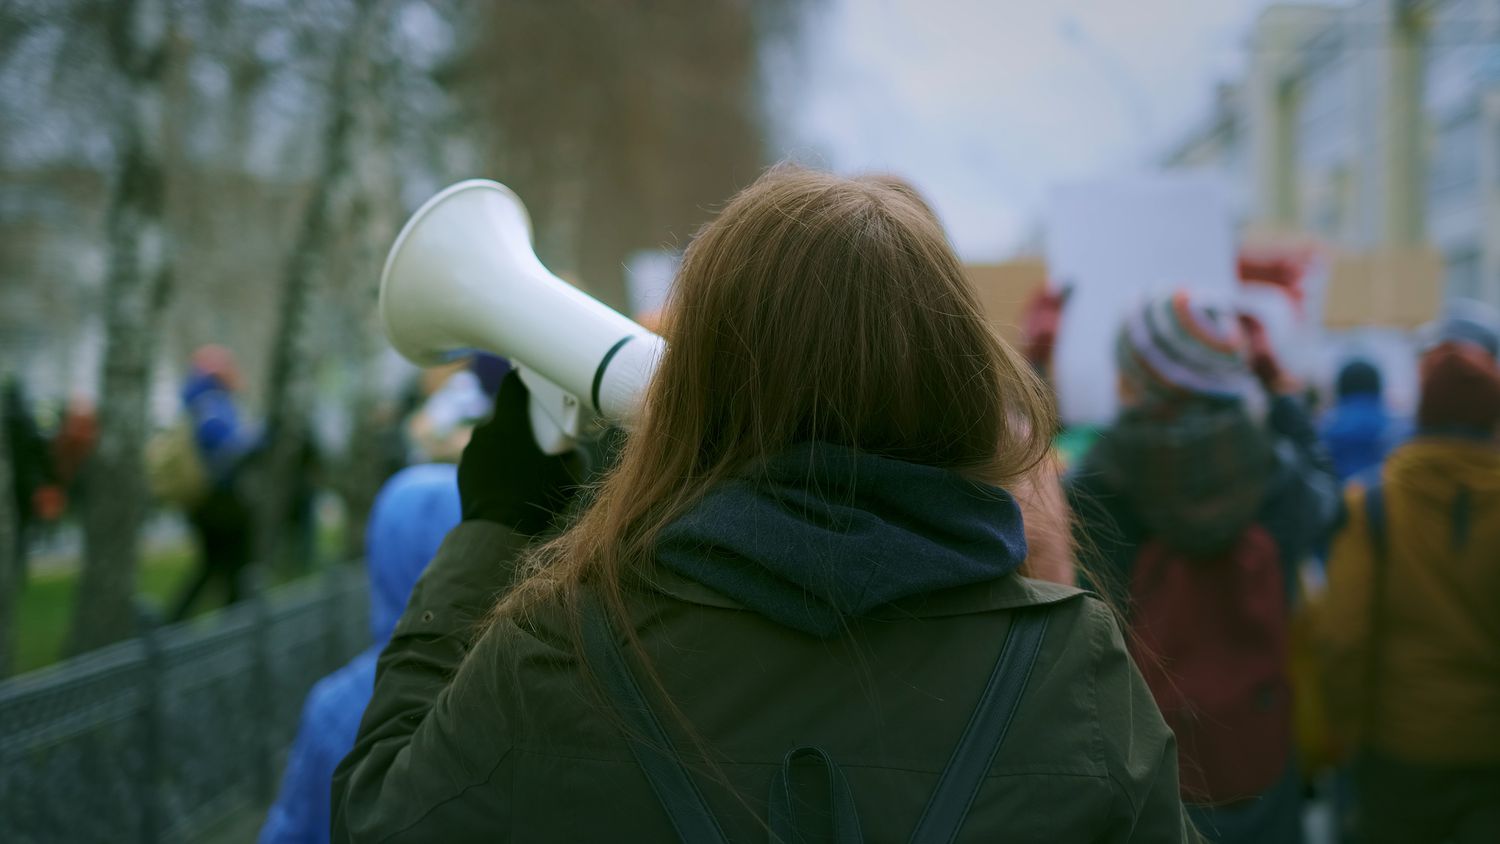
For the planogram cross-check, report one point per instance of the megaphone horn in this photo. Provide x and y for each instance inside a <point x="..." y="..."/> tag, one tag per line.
<point x="462" y="276"/>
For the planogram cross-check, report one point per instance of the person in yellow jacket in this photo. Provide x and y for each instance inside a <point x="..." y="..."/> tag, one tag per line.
<point x="1410" y="631"/>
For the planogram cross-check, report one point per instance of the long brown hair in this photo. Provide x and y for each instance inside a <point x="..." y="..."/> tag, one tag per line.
<point x="814" y="307"/>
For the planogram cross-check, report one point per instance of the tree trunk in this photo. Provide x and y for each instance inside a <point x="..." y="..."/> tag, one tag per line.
<point x="136" y="291"/>
<point x="289" y="396"/>
<point x="9" y="527"/>
<point x="371" y="228"/>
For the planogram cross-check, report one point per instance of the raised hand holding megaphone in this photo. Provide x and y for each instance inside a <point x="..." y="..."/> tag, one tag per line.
<point x="462" y="275"/>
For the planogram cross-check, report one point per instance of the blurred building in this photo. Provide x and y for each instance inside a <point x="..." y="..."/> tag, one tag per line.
<point x="1372" y="123"/>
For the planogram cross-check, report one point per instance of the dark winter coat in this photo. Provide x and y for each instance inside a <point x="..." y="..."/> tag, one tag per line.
<point x="510" y="743"/>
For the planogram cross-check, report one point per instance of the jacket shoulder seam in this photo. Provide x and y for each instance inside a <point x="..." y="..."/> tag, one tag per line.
<point x="1092" y="608"/>
<point x="1099" y="615"/>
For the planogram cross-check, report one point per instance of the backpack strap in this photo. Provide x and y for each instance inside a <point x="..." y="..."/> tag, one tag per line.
<point x="649" y="743"/>
<point x="1375" y="518"/>
<point x="1375" y="525"/>
<point x="781" y="811"/>
<point x="959" y="783"/>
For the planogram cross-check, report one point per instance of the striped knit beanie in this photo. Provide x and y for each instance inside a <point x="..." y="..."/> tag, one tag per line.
<point x="1181" y="345"/>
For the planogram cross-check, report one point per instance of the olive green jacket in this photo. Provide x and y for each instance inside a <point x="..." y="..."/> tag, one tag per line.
<point x="510" y="743"/>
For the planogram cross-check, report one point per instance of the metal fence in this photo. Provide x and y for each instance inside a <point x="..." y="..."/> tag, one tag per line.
<point x="161" y="737"/>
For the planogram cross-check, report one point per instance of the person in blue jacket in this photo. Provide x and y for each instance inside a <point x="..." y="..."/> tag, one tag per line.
<point x="413" y="512"/>
<point x="221" y="517"/>
<point x="1359" y="431"/>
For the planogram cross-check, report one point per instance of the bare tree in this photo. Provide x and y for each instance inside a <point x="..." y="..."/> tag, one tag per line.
<point x="288" y="395"/>
<point x="369" y="225"/>
<point x="136" y="290"/>
<point x="620" y="124"/>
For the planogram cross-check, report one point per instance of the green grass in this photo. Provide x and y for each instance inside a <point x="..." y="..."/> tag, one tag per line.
<point x="45" y="606"/>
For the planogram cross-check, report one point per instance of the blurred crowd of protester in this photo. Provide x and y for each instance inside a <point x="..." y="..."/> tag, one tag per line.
<point x="202" y="464"/>
<point x="1312" y="603"/>
<point x="46" y="460"/>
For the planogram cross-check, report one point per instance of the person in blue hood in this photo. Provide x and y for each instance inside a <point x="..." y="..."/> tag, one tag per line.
<point x="208" y="400"/>
<point x="413" y="512"/>
<point x="1359" y="431"/>
<point x="218" y="513"/>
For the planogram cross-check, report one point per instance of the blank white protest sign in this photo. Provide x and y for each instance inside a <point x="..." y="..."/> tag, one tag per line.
<point x="1114" y="242"/>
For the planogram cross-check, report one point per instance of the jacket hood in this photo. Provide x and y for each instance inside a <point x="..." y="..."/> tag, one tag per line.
<point x="823" y="533"/>
<point x="1197" y="478"/>
<point x="412" y="514"/>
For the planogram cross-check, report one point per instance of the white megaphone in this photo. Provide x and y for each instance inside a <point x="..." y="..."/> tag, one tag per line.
<point x="462" y="276"/>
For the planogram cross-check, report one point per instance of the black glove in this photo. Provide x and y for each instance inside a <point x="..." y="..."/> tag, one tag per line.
<point x="504" y="478"/>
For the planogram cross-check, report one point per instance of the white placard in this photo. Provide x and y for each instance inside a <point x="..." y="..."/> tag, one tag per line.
<point x="1114" y="242"/>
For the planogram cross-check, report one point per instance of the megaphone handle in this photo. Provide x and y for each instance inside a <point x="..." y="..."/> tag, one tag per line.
<point x="550" y="437"/>
<point x="552" y="411"/>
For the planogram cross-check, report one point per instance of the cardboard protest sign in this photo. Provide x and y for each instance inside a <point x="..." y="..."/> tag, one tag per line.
<point x="1004" y="289"/>
<point x="1390" y="287"/>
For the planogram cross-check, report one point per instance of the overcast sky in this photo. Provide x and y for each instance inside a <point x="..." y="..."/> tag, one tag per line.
<point x="985" y="103"/>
